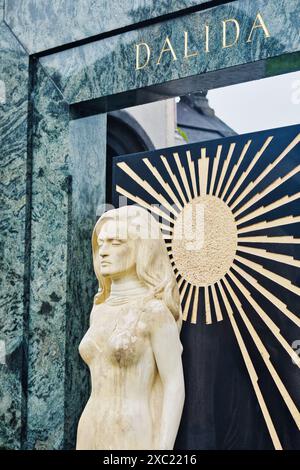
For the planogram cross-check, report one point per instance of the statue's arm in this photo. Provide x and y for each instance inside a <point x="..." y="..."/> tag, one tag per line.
<point x="167" y="350"/>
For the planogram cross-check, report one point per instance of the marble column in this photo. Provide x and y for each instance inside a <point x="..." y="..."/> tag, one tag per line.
<point x="13" y="239"/>
<point x="68" y="182"/>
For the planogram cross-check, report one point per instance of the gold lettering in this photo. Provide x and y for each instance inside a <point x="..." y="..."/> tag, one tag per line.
<point x="237" y="32"/>
<point x="206" y="38"/>
<point x="259" y="23"/>
<point x="138" y="66"/>
<point x="166" y="49"/>
<point x="186" y="54"/>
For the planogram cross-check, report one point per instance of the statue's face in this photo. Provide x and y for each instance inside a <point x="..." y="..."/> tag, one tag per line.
<point x="116" y="250"/>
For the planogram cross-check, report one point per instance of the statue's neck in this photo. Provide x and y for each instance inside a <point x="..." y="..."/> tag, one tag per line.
<point x="126" y="289"/>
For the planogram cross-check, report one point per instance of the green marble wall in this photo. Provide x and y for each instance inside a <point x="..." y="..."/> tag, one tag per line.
<point x="13" y="236"/>
<point x="88" y="153"/>
<point x="68" y="183"/>
<point x="52" y="181"/>
<point x="49" y="253"/>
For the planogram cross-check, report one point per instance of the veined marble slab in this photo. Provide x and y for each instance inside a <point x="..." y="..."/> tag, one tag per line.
<point x="186" y="46"/>
<point x="68" y="184"/>
<point x="13" y="187"/>
<point x="44" y="24"/>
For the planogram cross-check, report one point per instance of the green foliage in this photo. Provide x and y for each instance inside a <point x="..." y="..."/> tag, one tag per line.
<point x="182" y="134"/>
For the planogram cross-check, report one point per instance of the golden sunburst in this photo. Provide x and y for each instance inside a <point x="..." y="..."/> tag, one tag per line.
<point x="226" y="235"/>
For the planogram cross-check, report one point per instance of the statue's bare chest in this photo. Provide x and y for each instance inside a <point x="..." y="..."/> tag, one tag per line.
<point x="117" y="334"/>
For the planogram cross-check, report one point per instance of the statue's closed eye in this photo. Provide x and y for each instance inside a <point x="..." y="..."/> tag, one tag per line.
<point x="116" y="242"/>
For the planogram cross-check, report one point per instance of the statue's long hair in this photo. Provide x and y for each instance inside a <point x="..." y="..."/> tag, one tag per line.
<point x="153" y="265"/>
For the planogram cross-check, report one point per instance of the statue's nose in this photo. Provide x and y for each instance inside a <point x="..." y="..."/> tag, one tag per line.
<point x="103" y="251"/>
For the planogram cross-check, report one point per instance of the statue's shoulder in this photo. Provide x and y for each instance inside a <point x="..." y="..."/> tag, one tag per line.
<point x="157" y="311"/>
<point x="96" y="309"/>
<point x="155" y="304"/>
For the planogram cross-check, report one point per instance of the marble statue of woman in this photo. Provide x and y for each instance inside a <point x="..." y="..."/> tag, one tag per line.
<point x="132" y="346"/>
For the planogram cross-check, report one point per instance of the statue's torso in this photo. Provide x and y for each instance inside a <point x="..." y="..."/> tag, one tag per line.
<point x="118" y="351"/>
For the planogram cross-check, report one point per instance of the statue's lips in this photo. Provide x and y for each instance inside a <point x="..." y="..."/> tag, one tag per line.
<point x="105" y="263"/>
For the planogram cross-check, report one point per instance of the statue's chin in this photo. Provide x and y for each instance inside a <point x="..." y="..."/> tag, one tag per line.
<point x="106" y="272"/>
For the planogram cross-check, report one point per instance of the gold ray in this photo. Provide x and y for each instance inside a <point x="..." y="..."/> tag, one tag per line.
<point x="192" y="172"/>
<point x="145" y="185"/>
<point x="287" y="220"/>
<point x="208" y="319"/>
<point x="180" y="282"/>
<point x="236" y="167"/>
<point x="167" y="228"/>
<point x="203" y="164"/>
<point x="188" y="303"/>
<point x="252" y="372"/>
<point x="224" y="169"/>
<point x="174" y="179"/>
<point x="247" y="171"/>
<point x="268" y="295"/>
<point x="206" y="168"/>
<point x="263" y="315"/>
<point x="286" y="259"/>
<point x="269" y="239"/>
<point x="264" y="209"/>
<point x="215" y="168"/>
<point x="165" y="236"/>
<point x="195" y="306"/>
<point x="282" y="281"/>
<point x="266" y="171"/>
<point x="143" y="203"/>
<point x="183" y="290"/>
<point x="183" y="175"/>
<point x="266" y="357"/>
<point x="216" y="303"/>
<point x="278" y="182"/>
<point x="162" y="182"/>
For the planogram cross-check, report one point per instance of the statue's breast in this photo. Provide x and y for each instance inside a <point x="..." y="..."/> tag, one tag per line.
<point x="88" y="348"/>
<point x="128" y="340"/>
<point x="120" y="339"/>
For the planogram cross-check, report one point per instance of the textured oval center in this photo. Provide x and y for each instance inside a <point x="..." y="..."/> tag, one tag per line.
<point x="204" y="240"/>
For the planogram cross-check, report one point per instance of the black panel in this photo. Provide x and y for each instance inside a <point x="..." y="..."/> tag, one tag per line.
<point x="222" y="410"/>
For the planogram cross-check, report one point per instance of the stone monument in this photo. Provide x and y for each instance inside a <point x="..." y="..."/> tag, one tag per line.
<point x="132" y="346"/>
